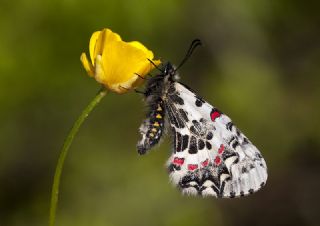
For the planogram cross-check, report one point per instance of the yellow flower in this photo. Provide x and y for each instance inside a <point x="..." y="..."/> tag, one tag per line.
<point x="116" y="64"/>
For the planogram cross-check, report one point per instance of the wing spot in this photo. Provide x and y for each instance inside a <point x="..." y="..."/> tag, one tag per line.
<point x="192" y="166"/>
<point x="178" y="161"/>
<point x="198" y="103"/>
<point x="245" y="141"/>
<point x="183" y="114"/>
<point x="175" y="98"/>
<point x="232" y="194"/>
<point x="193" y="145"/>
<point x="235" y="144"/>
<point x="193" y="130"/>
<point x="208" y="145"/>
<point x="221" y="149"/>
<point x="178" y="139"/>
<point x="209" y="136"/>
<point x="215" y="113"/>
<point x="217" y="160"/>
<point x="185" y="140"/>
<point x="244" y="170"/>
<point x="205" y="163"/>
<point x="229" y="126"/>
<point x="201" y="144"/>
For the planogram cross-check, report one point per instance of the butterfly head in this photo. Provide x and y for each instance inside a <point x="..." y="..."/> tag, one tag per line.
<point x="169" y="70"/>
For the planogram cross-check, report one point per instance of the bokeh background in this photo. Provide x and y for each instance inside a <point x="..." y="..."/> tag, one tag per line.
<point x="259" y="64"/>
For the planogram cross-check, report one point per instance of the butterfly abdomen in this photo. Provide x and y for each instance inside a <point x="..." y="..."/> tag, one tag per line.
<point x="153" y="127"/>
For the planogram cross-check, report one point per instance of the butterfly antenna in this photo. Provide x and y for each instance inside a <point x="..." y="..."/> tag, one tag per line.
<point x="154" y="65"/>
<point x="141" y="76"/>
<point x="194" y="44"/>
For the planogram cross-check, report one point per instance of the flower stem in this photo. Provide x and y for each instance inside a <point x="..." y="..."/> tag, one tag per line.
<point x="64" y="151"/>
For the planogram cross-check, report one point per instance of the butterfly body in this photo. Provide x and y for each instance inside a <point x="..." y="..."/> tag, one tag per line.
<point x="211" y="157"/>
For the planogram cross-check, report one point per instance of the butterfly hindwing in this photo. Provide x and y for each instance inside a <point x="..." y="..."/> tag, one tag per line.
<point x="211" y="156"/>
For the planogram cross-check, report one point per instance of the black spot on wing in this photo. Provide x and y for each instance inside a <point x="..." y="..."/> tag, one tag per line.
<point x="196" y="124"/>
<point x="193" y="145"/>
<point x="196" y="128"/>
<point x="245" y="141"/>
<point x="232" y="194"/>
<point x="201" y="144"/>
<point x="183" y="114"/>
<point x="258" y="155"/>
<point x="209" y="136"/>
<point x="231" y="140"/>
<point x="194" y="131"/>
<point x="176" y="99"/>
<point x="229" y="126"/>
<point x="244" y="169"/>
<point x="198" y="103"/>
<point x="235" y="144"/>
<point x="229" y="153"/>
<point x="178" y="141"/>
<point x="185" y="141"/>
<point x="174" y="118"/>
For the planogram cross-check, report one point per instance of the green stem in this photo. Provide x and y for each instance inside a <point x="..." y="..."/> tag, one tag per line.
<point x="64" y="151"/>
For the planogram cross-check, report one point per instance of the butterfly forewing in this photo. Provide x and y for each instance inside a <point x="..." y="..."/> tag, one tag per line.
<point x="211" y="156"/>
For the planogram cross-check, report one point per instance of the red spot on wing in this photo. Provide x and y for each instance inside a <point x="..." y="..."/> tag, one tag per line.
<point x="192" y="166"/>
<point x="221" y="149"/>
<point x="214" y="114"/>
<point x="217" y="160"/>
<point x="178" y="161"/>
<point x="205" y="163"/>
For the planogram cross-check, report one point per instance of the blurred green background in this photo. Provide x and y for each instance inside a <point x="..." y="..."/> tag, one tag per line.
<point x="259" y="64"/>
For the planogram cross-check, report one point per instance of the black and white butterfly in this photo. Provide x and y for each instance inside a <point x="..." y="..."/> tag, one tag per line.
<point x="211" y="157"/>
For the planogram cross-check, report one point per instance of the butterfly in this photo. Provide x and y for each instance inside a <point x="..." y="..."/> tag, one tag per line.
<point x="211" y="156"/>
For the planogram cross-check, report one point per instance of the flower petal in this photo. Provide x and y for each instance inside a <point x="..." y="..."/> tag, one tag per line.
<point x="99" y="72"/>
<point x="148" y="67"/>
<point x="92" y="45"/>
<point x="122" y="61"/>
<point x="138" y="45"/>
<point x="87" y="65"/>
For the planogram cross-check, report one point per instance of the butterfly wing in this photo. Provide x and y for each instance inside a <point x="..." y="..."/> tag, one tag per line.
<point x="211" y="156"/>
